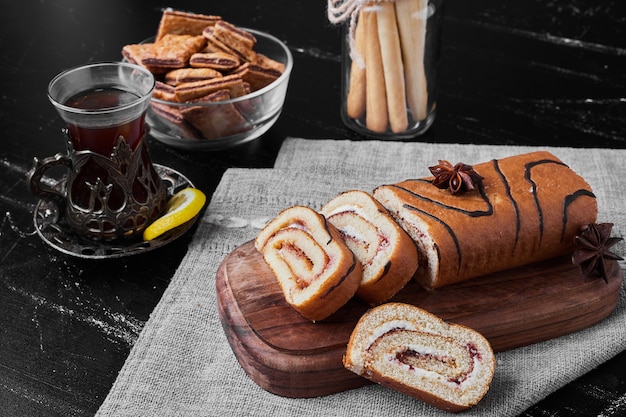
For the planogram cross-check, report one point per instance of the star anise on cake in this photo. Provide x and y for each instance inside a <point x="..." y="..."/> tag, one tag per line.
<point x="593" y="253"/>
<point x="458" y="178"/>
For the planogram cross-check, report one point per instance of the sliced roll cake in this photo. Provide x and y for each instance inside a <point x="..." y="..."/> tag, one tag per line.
<point x="314" y="267"/>
<point x="412" y="351"/>
<point x="526" y="209"/>
<point x="386" y="251"/>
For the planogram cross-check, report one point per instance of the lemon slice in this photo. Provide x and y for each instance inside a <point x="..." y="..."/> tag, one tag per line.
<point x="181" y="207"/>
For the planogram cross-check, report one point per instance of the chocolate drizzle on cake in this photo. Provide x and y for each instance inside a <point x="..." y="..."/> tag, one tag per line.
<point x="385" y="270"/>
<point x="536" y="201"/>
<point x="527" y="176"/>
<point x="446" y="226"/>
<point x="343" y="278"/>
<point x="569" y="199"/>
<point x="330" y="236"/>
<point x="471" y="213"/>
<point x="507" y="188"/>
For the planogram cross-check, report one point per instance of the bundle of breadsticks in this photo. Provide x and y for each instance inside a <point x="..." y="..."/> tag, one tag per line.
<point x="387" y="84"/>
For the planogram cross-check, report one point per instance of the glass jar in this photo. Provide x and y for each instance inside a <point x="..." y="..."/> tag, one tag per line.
<point x="389" y="68"/>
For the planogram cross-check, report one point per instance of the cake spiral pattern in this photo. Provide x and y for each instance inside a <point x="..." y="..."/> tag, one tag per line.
<point x="528" y="208"/>
<point x="314" y="267"/>
<point x="386" y="251"/>
<point x="410" y="350"/>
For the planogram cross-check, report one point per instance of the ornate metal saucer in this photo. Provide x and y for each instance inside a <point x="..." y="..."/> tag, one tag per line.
<point x="51" y="227"/>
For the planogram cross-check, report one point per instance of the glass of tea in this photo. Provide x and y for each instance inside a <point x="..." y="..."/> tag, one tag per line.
<point x="111" y="189"/>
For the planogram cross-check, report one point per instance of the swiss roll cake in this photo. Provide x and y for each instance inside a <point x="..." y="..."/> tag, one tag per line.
<point x="519" y="210"/>
<point x="314" y="267"/>
<point x="386" y="251"/>
<point x="413" y="351"/>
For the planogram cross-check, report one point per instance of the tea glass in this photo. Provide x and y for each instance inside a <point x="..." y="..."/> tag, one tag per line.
<point x="111" y="189"/>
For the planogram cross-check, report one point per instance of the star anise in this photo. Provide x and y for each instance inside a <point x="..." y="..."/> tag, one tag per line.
<point x="458" y="178"/>
<point x="593" y="254"/>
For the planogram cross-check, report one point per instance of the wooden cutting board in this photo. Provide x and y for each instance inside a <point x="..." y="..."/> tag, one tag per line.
<point x="288" y="355"/>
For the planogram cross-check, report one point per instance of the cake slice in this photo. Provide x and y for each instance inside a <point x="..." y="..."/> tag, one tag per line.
<point x="413" y="351"/>
<point x="315" y="269"/>
<point x="386" y="251"/>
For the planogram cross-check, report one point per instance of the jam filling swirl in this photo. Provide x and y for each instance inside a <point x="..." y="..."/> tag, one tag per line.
<point x="455" y="366"/>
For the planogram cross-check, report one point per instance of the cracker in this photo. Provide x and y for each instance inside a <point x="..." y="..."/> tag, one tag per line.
<point x="188" y="75"/>
<point x="174" y="22"/>
<point x="237" y="40"/>
<point x="222" y="44"/>
<point x="164" y="91"/>
<point x="220" y="61"/>
<point x="213" y="44"/>
<point x="268" y="63"/>
<point x="191" y="91"/>
<point x="259" y="77"/>
<point x="216" y="121"/>
<point x="173" y="51"/>
<point x="136" y="52"/>
<point x="174" y="119"/>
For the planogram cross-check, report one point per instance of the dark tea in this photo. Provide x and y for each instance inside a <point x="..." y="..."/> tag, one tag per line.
<point x="112" y="189"/>
<point x="101" y="139"/>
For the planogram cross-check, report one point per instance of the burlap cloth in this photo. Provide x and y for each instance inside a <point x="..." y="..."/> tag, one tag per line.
<point x="182" y="364"/>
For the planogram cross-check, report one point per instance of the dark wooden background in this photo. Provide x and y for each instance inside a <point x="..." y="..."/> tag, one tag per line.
<point x="531" y="72"/>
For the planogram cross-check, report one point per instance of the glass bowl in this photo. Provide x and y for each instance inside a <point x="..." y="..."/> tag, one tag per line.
<point x="232" y="122"/>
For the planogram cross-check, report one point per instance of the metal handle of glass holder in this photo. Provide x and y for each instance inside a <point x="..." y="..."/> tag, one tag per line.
<point x="37" y="172"/>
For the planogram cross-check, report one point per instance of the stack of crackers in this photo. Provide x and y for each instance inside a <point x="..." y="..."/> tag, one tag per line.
<point x="198" y="58"/>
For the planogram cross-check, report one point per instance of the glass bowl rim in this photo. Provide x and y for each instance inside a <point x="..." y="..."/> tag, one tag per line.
<point x="274" y="84"/>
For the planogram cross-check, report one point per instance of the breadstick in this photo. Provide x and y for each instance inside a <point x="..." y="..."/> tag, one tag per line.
<point x="355" y="105"/>
<point x="392" y="66"/>
<point x="411" y="15"/>
<point x="376" y="117"/>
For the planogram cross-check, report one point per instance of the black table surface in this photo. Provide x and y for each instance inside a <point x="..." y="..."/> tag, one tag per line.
<point x="533" y="72"/>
